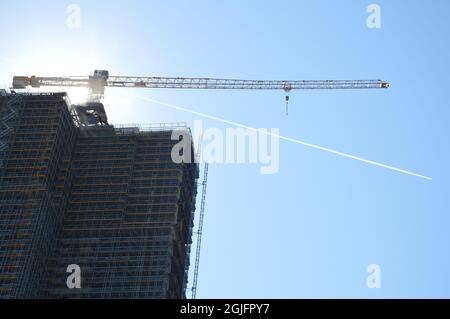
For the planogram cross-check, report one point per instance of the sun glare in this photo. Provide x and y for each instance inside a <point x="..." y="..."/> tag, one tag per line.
<point x="56" y="63"/>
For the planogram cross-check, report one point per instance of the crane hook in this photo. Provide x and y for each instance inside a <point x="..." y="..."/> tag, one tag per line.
<point x="287" y="88"/>
<point x="287" y="104"/>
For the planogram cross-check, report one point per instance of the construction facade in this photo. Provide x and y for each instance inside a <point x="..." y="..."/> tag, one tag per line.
<point x="75" y="190"/>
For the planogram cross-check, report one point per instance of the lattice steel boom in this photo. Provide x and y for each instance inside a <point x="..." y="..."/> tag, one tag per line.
<point x="102" y="79"/>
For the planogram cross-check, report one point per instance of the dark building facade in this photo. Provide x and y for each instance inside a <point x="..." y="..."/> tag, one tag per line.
<point x="76" y="190"/>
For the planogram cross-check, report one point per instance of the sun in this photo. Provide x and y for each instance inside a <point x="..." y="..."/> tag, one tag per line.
<point x="76" y="95"/>
<point x="58" y="62"/>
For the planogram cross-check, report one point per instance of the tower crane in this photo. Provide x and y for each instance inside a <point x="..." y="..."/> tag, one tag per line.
<point x="93" y="113"/>
<point x="101" y="79"/>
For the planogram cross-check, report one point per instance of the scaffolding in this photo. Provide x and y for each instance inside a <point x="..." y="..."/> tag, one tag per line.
<point x="37" y="138"/>
<point x="125" y="222"/>
<point x="108" y="198"/>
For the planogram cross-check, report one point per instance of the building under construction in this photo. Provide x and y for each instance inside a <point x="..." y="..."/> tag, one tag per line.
<point x="76" y="190"/>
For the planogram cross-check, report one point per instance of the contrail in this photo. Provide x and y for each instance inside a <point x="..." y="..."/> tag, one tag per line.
<point x="289" y="139"/>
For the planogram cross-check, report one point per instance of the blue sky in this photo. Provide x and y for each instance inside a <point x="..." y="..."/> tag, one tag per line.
<point x="312" y="229"/>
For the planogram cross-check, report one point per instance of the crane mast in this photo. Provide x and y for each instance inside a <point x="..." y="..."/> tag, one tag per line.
<point x="200" y="231"/>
